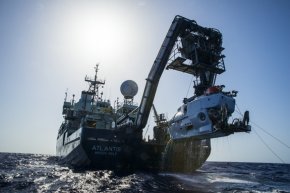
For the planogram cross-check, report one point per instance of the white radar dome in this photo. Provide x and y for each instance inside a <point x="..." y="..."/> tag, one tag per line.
<point x="129" y="89"/>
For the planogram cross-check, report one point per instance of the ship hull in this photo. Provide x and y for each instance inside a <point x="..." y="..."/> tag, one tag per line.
<point x="109" y="149"/>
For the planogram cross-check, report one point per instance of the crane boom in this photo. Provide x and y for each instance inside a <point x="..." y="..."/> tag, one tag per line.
<point x="157" y="70"/>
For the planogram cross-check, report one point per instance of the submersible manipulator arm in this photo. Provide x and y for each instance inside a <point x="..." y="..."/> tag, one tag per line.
<point x="179" y="25"/>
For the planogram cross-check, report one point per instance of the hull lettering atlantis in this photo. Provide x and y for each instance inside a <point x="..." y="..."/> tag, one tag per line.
<point x="96" y="134"/>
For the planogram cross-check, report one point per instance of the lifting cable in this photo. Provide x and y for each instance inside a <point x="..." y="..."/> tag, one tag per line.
<point x="189" y="86"/>
<point x="147" y="129"/>
<point x="148" y="124"/>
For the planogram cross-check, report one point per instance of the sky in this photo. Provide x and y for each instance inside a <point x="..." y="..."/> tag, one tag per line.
<point x="47" y="48"/>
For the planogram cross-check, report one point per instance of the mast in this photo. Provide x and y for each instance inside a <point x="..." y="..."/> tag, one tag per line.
<point x="95" y="83"/>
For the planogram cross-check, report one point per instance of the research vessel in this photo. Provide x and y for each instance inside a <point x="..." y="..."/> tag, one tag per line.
<point x="97" y="134"/>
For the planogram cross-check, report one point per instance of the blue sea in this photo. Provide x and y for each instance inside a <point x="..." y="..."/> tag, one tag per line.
<point x="43" y="173"/>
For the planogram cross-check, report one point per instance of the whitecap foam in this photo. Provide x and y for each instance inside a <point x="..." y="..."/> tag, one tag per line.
<point x="203" y="178"/>
<point x="221" y="179"/>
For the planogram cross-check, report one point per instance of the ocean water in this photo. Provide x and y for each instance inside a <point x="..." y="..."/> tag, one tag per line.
<point x="43" y="173"/>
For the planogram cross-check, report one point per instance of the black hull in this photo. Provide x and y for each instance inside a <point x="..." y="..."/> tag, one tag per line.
<point x="89" y="147"/>
<point x="121" y="150"/>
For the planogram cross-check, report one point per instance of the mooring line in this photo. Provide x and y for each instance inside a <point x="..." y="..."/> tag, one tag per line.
<point x="269" y="147"/>
<point x="277" y="139"/>
<point x="264" y="130"/>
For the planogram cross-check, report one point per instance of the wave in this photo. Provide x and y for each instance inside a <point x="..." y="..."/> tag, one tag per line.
<point x="43" y="173"/>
